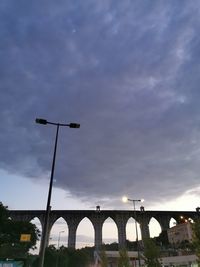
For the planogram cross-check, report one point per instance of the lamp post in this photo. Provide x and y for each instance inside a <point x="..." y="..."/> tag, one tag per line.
<point x="48" y="207"/>
<point x="125" y="199"/>
<point x="57" y="258"/>
<point x="59" y="238"/>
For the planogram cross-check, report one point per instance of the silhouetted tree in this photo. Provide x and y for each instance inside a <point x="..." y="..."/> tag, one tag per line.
<point x="196" y="238"/>
<point x="104" y="258"/>
<point x="131" y="245"/>
<point x="124" y="260"/>
<point x="151" y="253"/>
<point x="64" y="257"/>
<point x="10" y="233"/>
<point x="111" y="247"/>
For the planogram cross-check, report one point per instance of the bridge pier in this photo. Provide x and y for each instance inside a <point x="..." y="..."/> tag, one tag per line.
<point x="144" y="227"/>
<point x="121" y="226"/>
<point x="72" y="226"/>
<point x="98" y="235"/>
<point x="164" y="223"/>
<point x="72" y="237"/>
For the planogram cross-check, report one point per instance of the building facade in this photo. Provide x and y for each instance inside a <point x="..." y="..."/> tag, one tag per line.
<point x="179" y="233"/>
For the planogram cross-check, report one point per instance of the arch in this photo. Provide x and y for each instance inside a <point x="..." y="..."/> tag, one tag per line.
<point x="172" y="222"/>
<point x="36" y="221"/>
<point x="154" y="227"/>
<point x="109" y="231"/>
<point x="131" y="230"/>
<point x="59" y="233"/>
<point x="83" y="239"/>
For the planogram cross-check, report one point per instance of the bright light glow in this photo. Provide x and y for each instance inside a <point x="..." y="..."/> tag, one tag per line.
<point x="124" y="199"/>
<point x="142" y="200"/>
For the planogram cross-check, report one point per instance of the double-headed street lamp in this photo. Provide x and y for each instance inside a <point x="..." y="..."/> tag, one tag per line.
<point x="59" y="238"/>
<point x="57" y="258"/>
<point x="48" y="207"/>
<point x="125" y="199"/>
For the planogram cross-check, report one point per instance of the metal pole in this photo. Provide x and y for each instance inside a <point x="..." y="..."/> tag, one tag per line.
<point x="59" y="238"/>
<point x="136" y="230"/>
<point x="57" y="258"/>
<point x="48" y="208"/>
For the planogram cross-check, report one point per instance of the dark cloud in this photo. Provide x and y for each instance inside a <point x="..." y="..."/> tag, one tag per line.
<point x="127" y="71"/>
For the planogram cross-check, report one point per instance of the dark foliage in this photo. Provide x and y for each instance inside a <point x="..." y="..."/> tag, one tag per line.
<point x="64" y="257"/>
<point x="10" y="232"/>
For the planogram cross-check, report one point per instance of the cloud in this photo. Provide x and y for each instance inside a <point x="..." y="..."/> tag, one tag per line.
<point x="127" y="72"/>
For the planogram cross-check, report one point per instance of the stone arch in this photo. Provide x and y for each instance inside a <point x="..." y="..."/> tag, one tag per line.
<point x="83" y="239"/>
<point x="131" y="229"/>
<point x="154" y="227"/>
<point x="58" y="233"/>
<point x="172" y="222"/>
<point x="163" y="220"/>
<point x="109" y="233"/>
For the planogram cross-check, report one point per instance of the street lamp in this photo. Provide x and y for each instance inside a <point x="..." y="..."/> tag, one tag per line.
<point x="48" y="207"/>
<point x="57" y="258"/>
<point x="59" y="238"/>
<point x="125" y="199"/>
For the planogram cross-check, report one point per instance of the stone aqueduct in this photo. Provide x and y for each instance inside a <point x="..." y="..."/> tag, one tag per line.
<point x="97" y="218"/>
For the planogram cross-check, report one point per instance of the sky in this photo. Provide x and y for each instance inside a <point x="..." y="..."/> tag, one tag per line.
<point x="128" y="72"/>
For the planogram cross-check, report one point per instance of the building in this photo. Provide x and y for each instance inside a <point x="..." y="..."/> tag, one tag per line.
<point x="113" y="257"/>
<point x="180" y="232"/>
<point x="175" y="261"/>
<point x="179" y="261"/>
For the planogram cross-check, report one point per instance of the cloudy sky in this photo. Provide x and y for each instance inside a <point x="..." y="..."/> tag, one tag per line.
<point x="128" y="72"/>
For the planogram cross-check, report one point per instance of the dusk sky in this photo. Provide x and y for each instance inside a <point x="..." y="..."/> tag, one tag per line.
<point x="128" y="72"/>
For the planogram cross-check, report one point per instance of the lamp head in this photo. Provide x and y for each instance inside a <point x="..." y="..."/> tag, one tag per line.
<point x="74" y="125"/>
<point x="41" y="121"/>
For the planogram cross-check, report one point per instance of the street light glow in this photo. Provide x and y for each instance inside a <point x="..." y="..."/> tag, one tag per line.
<point x="124" y="199"/>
